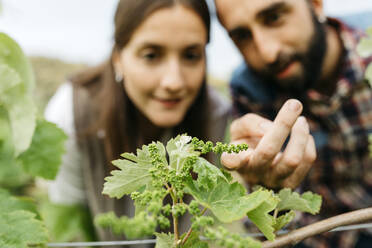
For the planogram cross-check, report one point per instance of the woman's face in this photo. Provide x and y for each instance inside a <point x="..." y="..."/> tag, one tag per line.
<point x="163" y="64"/>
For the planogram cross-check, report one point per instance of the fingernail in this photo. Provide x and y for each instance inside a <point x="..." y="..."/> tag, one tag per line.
<point x="302" y="121"/>
<point x="265" y="126"/>
<point x="294" y="105"/>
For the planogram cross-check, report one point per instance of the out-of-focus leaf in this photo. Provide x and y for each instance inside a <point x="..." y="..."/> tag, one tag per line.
<point x="12" y="55"/>
<point x="45" y="153"/>
<point x="262" y="219"/>
<point x="365" y="47"/>
<point x="11" y="173"/>
<point x="17" y="82"/>
<point x="307" y="202"/>
<point x="20" y="229"/>
<point x="194" y="241"/>
<point x="67" y="223"/>
<point x="11" y="203"/>
<point x="144" y="224"/>
<point x="283" y="220"/>
<point x="164" y="240"/>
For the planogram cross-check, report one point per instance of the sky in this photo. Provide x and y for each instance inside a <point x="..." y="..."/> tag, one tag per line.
<point x="81" y="30"/>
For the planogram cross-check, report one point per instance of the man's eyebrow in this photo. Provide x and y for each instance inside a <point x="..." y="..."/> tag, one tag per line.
<point x="271" y="9"/>
<point x="237" y="30"/>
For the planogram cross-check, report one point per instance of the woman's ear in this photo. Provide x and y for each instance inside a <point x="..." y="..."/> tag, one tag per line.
<point x="118" y="69"/>
<point x="318" y="8"/>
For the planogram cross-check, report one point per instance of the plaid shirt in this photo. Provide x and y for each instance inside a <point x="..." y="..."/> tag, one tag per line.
<point x="340" y="124"/>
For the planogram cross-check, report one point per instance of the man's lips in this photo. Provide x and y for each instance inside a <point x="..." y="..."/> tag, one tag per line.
<point x="287" y="70"/>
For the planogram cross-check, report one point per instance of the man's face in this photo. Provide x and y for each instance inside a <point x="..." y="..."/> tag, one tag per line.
<point x="281" y="40"/>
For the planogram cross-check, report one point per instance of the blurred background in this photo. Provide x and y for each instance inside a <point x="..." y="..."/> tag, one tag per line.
<point x="62" y="37"/>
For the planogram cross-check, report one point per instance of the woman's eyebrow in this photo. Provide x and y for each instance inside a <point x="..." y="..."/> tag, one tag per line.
<point x="149" y="45"/>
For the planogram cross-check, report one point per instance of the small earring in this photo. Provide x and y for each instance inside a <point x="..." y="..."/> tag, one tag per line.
<point x="118" y="77"/>
<point x="322" y="19"/>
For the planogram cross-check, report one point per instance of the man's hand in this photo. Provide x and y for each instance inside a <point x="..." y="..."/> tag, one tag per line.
<point x="264" y="163"/>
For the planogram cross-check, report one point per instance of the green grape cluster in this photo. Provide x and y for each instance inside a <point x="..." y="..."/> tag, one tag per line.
<point x="145" y="224"/>
<point x="194" y="208"/>
<point x="199" y="222"/>
<point x="205" y="147"/>
<point x="159" y="171"/>
<point x="230" y="240"/>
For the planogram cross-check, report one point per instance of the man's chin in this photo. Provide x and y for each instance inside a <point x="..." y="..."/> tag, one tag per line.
<point x="292" y="84"/>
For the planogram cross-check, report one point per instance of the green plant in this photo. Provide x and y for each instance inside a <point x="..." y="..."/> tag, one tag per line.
<point x="29" y="147"/>
<point x="178" y="170"/>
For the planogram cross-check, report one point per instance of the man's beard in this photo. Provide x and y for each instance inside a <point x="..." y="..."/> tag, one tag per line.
<point x="311" y="61"/>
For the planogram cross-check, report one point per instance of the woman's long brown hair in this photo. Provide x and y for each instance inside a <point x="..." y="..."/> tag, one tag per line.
<point x="117" y="115"/>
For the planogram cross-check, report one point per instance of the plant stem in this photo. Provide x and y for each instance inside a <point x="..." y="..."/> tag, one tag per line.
<point x="190" y="230"/>
<point x="292" y="238"/>
<point x="175" y="220"/>
<point x="175" y="229"/>
<point x="170" y="190"/>
<point x="276" y="213"/>
<point x="186" y="236"/>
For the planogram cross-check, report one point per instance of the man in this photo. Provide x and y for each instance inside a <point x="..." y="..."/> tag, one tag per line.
<point x="294" y="51"/>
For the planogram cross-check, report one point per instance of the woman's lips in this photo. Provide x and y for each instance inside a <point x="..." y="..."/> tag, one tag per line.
<point x="169" y="103"/>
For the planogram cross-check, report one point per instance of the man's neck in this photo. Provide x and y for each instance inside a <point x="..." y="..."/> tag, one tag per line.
<point x="331" y="64"/>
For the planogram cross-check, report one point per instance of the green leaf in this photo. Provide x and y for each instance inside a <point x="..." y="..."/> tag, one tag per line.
<point x="207" y="173"/>
<point x="227" y="201"/>
<point x="11" y="173"/>
<point x="130" y="178"/>
<point x="307" y="202"/>
<point x="10" y="203"/>
<point x="283" y="220"/>
<point x="11" y="54"/>
<point x="20" y="229"/>
<point x="17" y="82"/>
<point x="164" y="240"/>
<point x="133" y="174"/>
<point x="194" y="241"/>
<point x="365" y="47"/>
<point x="9" y="78"/>
<point x="262" y="219"/>
<point x="179" y="149"/>
<point x="68" y="223"/>
<point x="45" y="153"/>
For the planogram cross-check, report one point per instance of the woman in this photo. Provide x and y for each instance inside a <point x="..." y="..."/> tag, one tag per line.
<point x="152" y="88"/>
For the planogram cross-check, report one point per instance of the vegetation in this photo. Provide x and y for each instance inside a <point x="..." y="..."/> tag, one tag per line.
<point x="149" y="177"/>
<point x="29" y="147"/>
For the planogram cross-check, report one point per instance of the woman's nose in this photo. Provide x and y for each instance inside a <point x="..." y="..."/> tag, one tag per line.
<point x="173" y="79"/>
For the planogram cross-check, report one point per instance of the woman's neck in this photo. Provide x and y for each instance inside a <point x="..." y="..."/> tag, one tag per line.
<point x="148" y="132"/>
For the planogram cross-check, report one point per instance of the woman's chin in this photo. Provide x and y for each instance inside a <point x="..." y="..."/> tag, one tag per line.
<point x="166" y="122"/>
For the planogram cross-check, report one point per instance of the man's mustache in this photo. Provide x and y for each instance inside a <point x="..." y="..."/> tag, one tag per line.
<point x="280" y="64"/>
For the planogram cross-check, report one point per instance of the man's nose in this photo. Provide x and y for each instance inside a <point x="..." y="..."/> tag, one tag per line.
<point x="268" y="47"/>
<point x="173" y="79"/>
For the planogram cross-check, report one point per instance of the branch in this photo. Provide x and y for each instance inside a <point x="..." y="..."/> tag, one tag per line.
<point x="190" y="230"/>
<point x="298" y="235"/>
